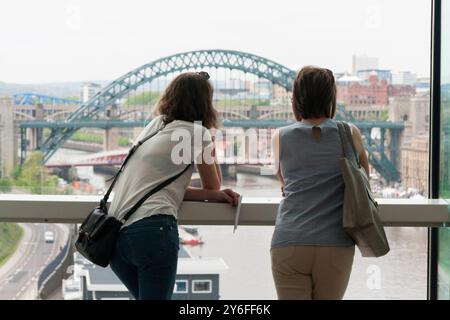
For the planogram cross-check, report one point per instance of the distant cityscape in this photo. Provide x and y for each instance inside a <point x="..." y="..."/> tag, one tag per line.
<point x="368" y="93"/>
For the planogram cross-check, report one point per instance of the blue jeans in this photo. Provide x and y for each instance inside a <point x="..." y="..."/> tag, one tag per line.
<point x="146" y="255"/>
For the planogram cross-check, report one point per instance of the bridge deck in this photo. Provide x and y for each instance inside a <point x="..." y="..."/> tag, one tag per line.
<point x="107" y="124"/>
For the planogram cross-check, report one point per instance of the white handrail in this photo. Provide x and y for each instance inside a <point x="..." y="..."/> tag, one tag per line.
<point x="254" y="211"/>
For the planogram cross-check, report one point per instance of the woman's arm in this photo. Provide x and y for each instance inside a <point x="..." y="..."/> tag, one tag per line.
<point x="211" y="178"/>
<point x="199" y="194"/>
<point x="216" y="162"/>
<point x="210" y="173"/>
<point x="359" y="145"/>
<point x="276" y="147"/>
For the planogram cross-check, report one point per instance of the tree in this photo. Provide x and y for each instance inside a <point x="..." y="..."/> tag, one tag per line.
<point x="35" y="176"/>
<point x="385" y="115"/>
<point x="147" y="98"/>
<point x="5" y="185"/>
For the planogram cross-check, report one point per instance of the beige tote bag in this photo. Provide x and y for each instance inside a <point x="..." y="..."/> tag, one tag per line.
<point x="360" y="213"/>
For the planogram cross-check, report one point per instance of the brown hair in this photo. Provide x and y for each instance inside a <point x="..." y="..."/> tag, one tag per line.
<point x="314" y="93"/>
<point x="189" y="97"/>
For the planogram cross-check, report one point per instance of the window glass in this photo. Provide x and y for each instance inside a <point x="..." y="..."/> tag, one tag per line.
<point x="181" y="286"/>
<point x="378" y="51"/>
<point x="201" y="286"/>
<point x="444" y="233"/>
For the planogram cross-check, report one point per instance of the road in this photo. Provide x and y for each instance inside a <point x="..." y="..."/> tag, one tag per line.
<point x="18" y="277"/>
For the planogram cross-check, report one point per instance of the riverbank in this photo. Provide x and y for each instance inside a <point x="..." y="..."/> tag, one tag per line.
<point x="10" y="236"/>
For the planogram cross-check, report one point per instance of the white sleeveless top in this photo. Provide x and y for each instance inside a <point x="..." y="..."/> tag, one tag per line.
<point x="156" y="160"/>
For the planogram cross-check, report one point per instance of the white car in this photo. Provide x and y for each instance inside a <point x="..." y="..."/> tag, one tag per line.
<point x="49" y="236"/>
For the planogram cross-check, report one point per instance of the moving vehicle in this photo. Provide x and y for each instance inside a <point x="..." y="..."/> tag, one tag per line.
<point x="49" y="236"/>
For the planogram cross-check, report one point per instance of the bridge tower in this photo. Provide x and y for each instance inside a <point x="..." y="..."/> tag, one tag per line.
<point x="8" y="142"/>
<point x="111" y="136"/>
<point x="254" y="112"/>
<point x="34" y="136"/>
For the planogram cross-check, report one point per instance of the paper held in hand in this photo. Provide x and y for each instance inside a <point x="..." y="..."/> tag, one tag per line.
<point x="238" y="212"/>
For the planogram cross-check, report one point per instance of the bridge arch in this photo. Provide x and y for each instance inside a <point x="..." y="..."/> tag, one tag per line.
<point x="234" y="60"/>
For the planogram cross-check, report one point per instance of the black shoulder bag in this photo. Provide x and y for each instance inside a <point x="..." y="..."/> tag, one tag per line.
<point x="99" y="231"/>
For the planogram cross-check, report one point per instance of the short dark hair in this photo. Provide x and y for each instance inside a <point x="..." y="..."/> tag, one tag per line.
<point x="314" y="93"/>
<point x="189" y="97"/>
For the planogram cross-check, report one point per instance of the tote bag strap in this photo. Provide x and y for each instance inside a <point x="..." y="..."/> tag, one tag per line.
<point x="345" y="135"/>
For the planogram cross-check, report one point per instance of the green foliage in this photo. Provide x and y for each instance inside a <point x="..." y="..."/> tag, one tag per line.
<point x="144" y="98"/>
<point x="68" y="190"/>
<point x="384" y="115"/>
<point x="242" y="102"/>
<point x="87" y="137"/>
<point x="35" y="176"/>
<point x="72" y="98"/>
<point x="124" y="142"/>
<point x="46" y="132"/>
<point x="10" y="235"/>
<point x="96" y="138"/>
<point x="444" y="249"/>
<point x="5" y="185"/>
<point x="15" y="173"/>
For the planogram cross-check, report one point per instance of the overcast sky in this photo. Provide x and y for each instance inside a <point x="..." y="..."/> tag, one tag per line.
<point x="78" y="40"/>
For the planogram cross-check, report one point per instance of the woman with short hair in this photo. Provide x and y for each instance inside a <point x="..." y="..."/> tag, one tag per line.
<point x="312" y="255"/>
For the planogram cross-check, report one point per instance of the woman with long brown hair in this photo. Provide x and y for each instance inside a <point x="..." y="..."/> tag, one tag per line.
<point x="312" y="255"/>
<point x="146" y="253"/>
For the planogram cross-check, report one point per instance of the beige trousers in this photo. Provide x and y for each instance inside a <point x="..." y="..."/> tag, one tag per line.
<point x="311" y="272"/>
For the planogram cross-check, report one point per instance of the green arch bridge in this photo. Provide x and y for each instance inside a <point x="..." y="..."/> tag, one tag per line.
<point x="87" y="114"/>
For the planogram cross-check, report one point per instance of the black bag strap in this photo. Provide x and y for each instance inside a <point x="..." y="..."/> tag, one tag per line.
<point x="130" y="153"/>
<point x="345" y="134"/>
<point x="153" y="191"/>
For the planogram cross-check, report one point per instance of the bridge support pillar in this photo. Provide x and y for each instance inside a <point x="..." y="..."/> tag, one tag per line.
<point x="394" y="148"/>
<point x="23" y="146"/>
<point x="368" y="134"/>
<point x="8" y="141"/>
<point x="253" y="112"/>
<point x="30" y="137"/>
<point x="35" y="135"/>
<point x="111" y="139"/>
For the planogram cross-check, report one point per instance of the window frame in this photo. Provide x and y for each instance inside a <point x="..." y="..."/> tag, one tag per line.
<point x="200" y="280"/>
<point x="434" y="143"/>
<point x="184" y="281"/>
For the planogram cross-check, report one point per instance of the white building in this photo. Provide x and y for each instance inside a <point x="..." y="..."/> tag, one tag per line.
<point x="404" y="78"/>
<point x="363" y="62"/>
<point x="382" y="74"/>
<point x="89" y="90"/>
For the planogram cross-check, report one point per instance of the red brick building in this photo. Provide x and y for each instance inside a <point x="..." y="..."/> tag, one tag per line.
<point x="401" y="90"/>
<point x="355" y="91"/>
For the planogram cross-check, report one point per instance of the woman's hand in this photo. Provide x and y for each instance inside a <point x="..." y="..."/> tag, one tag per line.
<point x="224" y="195"/>
<point x="227" y="195"/>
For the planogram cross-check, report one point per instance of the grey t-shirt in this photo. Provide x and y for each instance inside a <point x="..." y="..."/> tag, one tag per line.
<point x="156" y="160"/>
<point x="311" y="211"/>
